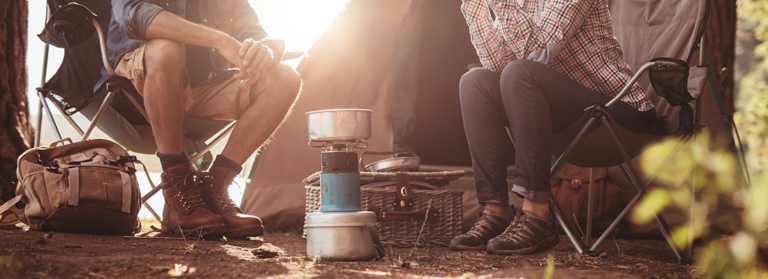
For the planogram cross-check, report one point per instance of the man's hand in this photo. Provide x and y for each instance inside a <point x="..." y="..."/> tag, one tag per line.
<point x="256" y="58"/>
<point x="229" y="48"/>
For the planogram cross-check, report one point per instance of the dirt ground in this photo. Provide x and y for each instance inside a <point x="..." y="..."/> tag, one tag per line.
<point x="34" y="254"/>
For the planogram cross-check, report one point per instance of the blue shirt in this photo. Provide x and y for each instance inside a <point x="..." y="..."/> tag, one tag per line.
<point x="130" y="19"/>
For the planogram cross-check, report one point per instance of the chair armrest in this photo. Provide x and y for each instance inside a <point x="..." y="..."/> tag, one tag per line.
<point x="103" y="46"/>
<point x="631" y="82"/>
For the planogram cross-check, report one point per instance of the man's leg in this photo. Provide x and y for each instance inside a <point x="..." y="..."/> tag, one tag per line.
<point x="269" y="106"/>
<point x="272" y="104"/>
<point x="491" y="151"/>
<point x="184" y="211"/>
<point x="163" y="92"/>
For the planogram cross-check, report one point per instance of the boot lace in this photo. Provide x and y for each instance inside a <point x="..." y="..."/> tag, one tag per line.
<point x="186" y="192"/>
<point x="219" y="193"/>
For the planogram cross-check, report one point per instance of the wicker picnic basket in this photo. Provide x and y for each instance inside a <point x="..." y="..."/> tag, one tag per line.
<point x="400" y="228"/>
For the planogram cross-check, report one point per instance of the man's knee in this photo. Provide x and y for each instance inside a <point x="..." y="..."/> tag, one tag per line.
<point x="164" y="56"/>
<point x="288" y="81"/>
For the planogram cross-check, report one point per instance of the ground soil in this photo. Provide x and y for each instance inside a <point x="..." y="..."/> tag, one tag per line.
<point x="34" y="254"/>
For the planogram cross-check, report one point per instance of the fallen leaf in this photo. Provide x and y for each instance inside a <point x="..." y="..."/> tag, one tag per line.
<point x="263" y="253"/>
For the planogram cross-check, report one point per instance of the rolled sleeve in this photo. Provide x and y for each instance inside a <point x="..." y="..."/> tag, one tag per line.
<point x="134" y="16"/>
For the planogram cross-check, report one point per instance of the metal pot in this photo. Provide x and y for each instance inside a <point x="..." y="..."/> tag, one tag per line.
<point x="341" y="235"/>
<point x="339" y="124"/>
<point x="403" y="160"/>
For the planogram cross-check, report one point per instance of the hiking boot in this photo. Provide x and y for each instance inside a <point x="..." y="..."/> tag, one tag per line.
<point x="212" y="187"/>
<point x="185" y="213"/>
<point x="525" y="235"/>
<point x="486" y="227"/>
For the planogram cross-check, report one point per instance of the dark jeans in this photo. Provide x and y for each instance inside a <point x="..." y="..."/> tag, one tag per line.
<point x="534" y="102"/>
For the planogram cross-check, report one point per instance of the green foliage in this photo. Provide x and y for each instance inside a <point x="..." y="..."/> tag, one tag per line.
<point x="714" y="177"/>
<point x="752" y="117"/>
<point x="7" y="263"/>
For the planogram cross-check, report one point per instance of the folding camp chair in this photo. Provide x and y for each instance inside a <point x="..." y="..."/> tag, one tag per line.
<point x="670" y="31"/>
<point x="120" y="116"/>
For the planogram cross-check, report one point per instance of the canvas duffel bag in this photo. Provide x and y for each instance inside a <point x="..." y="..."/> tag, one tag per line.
<point x="83" y="187"/>
<point x="572" y="191"/>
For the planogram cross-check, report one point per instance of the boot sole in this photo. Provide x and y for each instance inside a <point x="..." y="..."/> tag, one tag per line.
<point x="545" y="243"/>
<point x="467" y="248"/>
<point x="244" y="232"/>
<point x="204" y="230"/>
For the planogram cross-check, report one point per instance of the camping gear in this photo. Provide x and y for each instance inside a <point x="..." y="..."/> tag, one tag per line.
<point x="339" y="132"/>
<point x="677" y="27"/>
<point x="116" y="108"/>
<point x="83" y="187"/>
<point x="339" y="125"/>
<point x="403" y="160"/>
<point x="339" y="230"/>
<point x="341" y="236"/>
<point x="401" y="211"/>
<point x="572" y="192"/>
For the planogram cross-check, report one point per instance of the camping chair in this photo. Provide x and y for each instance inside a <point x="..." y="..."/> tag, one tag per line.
<point x="120" y="116"/>
<point x="669" y="30"/>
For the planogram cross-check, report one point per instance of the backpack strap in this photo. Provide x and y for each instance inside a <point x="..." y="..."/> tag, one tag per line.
<point x="5" y="209"/>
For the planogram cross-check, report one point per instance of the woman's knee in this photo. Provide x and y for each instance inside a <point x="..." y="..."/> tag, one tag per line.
<point x="518" y="70"/>
<point x="476" y="83"/>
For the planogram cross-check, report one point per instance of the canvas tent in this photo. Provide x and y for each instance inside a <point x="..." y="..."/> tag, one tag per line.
<point x="403" y="60"/>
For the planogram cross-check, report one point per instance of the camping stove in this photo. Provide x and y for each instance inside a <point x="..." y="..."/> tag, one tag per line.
<point x="340" y="230"/>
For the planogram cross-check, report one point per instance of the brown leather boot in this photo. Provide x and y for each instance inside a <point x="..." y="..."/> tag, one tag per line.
<point x="185" y="213"/>
<point x="213" y="187"/>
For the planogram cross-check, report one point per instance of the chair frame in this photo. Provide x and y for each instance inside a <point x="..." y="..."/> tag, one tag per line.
<point x="112" y="89"/>
<point x="630" y="171"/>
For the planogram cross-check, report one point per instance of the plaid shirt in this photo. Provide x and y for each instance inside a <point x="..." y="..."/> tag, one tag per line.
<point x="573" y="37"/>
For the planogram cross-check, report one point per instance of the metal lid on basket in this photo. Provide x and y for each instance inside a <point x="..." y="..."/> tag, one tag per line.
<point x="340" y="219"/>
<point x="395" y="164"/>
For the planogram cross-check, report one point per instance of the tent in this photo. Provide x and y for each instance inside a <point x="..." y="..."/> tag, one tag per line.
<point x="403" y="60"/>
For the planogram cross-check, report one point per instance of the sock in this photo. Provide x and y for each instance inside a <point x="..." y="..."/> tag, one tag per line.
<point x="171" y="160"/>
<point x="222" y="161"/>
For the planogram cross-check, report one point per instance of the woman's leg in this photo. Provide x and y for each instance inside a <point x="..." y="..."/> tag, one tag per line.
<point x="491" y="151"/>
<point x="540" y="102"/>
<point x="489" y="144"/>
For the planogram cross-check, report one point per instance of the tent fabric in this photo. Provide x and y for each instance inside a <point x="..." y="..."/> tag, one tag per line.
<point x="432" y="52"/>
<point x="350" y="66"/>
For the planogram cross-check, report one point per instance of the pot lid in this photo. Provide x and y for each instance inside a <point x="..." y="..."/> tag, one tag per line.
<point x="351" y="218"/>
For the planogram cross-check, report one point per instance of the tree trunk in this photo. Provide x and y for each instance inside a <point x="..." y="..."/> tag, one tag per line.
<point x="16" y="133"/>
<point x="720" y="42"/>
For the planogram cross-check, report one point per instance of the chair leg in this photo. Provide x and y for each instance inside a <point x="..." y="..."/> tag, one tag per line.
<point x="213" y="143"/>
<point x="565" y="224"/>
<point x="630" y="171"/>
<point x="157" y="217"/>
<point x="52" y="121"/>
<point x="588" y="235"/>
<point x="39" y="126"/>
<point x="102" y="109"/>
<point x="693" y="195"/>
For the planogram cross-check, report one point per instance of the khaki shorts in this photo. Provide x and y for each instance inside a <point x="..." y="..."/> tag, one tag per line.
<point x="222" y="98"/>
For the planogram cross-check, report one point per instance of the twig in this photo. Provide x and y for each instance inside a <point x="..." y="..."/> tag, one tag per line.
<point x="426" y="216"/>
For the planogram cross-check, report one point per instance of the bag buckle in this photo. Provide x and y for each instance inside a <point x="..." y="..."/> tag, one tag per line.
<point x="123" y="159"/>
